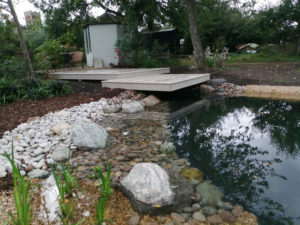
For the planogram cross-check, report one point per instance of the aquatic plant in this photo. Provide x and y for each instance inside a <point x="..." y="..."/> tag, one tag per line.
<point x="22" y="195"/>
<point x="105" y="194"/>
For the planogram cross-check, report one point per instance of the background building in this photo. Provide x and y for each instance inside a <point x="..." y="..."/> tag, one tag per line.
<point x="32" y="18"/>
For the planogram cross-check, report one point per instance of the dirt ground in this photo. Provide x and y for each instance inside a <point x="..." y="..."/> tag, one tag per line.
<point x="283" y="73"/>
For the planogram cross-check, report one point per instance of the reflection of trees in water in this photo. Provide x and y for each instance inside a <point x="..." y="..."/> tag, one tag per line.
<point x="282" y="121"/>
<point x="230" y="160"/>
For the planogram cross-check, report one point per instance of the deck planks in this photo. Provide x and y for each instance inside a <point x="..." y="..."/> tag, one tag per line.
<point x="157" y="82"/>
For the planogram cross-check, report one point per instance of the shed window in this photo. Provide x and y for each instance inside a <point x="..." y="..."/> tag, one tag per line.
<point x="87" y="40"/>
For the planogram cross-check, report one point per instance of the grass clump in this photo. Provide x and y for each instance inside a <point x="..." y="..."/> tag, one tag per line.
<point x="106" y="191"/>
<point x="66" y="183"/>
<point x="22" y="195"/>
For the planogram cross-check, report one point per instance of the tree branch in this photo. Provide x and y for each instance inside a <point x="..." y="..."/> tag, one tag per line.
<point x="98" y="2"/>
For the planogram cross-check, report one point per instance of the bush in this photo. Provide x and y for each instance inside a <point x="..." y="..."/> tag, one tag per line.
<point x="11" y="91"/>
<point x="13" y="67"/>
<point x="51" y="50"/>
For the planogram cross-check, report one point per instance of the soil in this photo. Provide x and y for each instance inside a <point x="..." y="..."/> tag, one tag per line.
<point x="13" y="114"/>
<point x="282" y="73"/>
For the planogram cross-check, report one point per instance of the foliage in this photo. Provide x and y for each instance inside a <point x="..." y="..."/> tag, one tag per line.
<point x="9" y="43"/>
<point x="22" y="195"/>
<point x="13" y="90"/>
<point x="13" y="67"/>
<point x="105" y="194"/>
<point x="35" y="37"/>
<point x="51" y="50"/>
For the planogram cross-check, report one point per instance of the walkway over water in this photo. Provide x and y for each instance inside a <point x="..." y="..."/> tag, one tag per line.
<point x="158" y="79"/>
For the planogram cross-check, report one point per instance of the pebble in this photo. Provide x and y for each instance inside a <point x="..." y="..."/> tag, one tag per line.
<point x="187" y="209"/>
<point x="214" y="219"/>
<point x="227" y="216"/>
<point x="134" y="220"/>
<point x="237" y="210"/>
<point x="208" y="210"/>
<point x="196" y="207"/>
<point x="177" y="217"/>
<point x="199" y="216"/>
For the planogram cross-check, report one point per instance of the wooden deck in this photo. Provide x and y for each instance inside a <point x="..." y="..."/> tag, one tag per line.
<point x="106" y="74"/>
<point x="157" y="82"/>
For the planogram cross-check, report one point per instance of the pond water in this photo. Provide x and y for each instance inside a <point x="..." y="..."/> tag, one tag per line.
<point x="249" y="148"/>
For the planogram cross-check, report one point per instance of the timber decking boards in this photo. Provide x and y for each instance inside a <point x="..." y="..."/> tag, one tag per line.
<point x="106" y="74"/>
<point x="157" y="82"/>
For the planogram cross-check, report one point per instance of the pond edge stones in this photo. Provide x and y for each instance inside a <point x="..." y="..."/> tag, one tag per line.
<point x="87" y="134"/>
<point x="148" y="188"/>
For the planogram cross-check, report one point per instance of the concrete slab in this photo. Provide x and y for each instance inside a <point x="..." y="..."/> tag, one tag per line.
<point x="106" y="74"/>
<point x="157" y="82"/>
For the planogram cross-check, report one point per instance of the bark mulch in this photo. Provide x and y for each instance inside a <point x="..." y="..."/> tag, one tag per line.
<point x="13" y="114"/>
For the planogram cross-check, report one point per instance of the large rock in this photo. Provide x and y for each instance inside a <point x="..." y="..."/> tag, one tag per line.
<point x="5" y="166"/>
<point x="61" y="153"/>
<point x="89" y="135"/>
<point x="57" y="128"/>
<point x="148" y="188"/>
<point x="132" y="107"/>
<point x="150" y="101"/>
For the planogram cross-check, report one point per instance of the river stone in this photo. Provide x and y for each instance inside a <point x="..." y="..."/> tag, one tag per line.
<point x="88" y="135"/>
<point x="38" y="173"/>
<point x="214" y="219"/>
<point x="132" y="107"/>
<point x="192" y="174"/>
<point x="61" y="153"/>
<point x="150" y="101"/>
<point x="148" y="188"/>
<point x="208" y="210"/>
<point x="167" y="148"/>
<point x="216" y="82"/>
<point x="210" y="194"/>
<point x="5" y="166"/>
<point x="111" y="109"/>
<point x="134" y="220"/>
<point x="237" y="210"/>
<point x="206" y="89"/>
<point x="199" y="216"/>
<point x="57" y="128"/>
<point x="227" y="216"/>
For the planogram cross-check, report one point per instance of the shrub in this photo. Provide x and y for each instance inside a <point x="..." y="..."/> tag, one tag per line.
<point x="13" y="67"/>
<point x="28" y="88"/>
<point x="9" y="91"/>
<point x="51" y="50"/>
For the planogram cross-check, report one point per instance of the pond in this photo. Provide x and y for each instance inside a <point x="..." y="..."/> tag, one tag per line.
<point x="249" y="148"/>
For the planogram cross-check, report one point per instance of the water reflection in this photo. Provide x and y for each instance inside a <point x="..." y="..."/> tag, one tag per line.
<point x="250" y="149"/>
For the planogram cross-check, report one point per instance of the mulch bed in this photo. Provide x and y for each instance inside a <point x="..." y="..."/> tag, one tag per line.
<point x="13" y="114"/>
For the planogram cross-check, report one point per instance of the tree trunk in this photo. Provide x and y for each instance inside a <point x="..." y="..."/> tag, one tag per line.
<point x="22" y="41"/>
<point x="197" y="44"/>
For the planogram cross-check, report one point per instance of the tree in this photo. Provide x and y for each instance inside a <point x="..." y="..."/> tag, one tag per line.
<point x="196" y="40"/>
<point x="8" y="6"/>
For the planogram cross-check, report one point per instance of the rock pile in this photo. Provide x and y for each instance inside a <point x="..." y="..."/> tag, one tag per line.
<point x="45" y="140"/>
